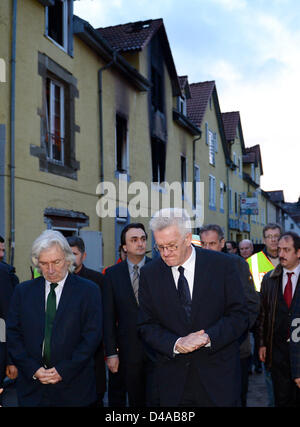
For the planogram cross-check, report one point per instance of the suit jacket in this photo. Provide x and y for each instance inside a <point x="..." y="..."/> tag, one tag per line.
<point x="76" y="333"/>
<point x="218" y="307"/>
<point x="6" y="291"/>
<point x="120" y="312"/>
<point x="97" y="278"/>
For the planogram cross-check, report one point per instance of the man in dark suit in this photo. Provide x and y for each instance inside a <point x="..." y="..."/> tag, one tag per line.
<point x="6" y="291"/>
<point x="192" y="313"/>
<point x="78" y="248"/>
<point x="123" y="348"/>
<point x="212" y="237"/>
<point x="53" y="329"/>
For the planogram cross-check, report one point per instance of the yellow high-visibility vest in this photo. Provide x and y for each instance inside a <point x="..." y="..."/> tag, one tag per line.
<point x="259" y="265"/>
<point x="36" y="273"/>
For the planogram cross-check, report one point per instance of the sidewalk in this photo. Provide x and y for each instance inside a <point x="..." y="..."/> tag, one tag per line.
<point x="257" y="391"/>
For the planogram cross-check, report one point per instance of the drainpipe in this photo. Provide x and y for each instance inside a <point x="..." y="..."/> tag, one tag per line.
<point x="194" y="160"/>
<point x="100" y="71"/>
<point x="12" y="133"/>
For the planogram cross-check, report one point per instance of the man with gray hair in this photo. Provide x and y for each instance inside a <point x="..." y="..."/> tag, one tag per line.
<point x="53" y="329"/>
<point x="192" y="313"/>
<point x="246" y="248"/>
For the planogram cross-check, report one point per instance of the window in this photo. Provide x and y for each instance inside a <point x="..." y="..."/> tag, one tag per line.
<point x="181" y="105"/>
<point x="221" y="196"/>
<point x="59" y="24"/>
<point x="158" y="149"/>
<point x="196" y="189"/>
<point x="212" y="192"/>
<point x="183" y="173"/>
<point x="121" y="144"/>
<point x="252" y="172"/>
<point x="230" y="201"/>
<point x="240" y="167"/>
<point x="236" y="199"/>
<point x="55" y="120"/>
<point x="211" y="147"/>
<point x="56" y="152"/>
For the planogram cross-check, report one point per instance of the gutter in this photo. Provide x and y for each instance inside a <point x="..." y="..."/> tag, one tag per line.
<point x="12" y="132"/>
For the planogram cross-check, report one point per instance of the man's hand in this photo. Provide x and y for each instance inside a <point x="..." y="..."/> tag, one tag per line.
<point x="297" y="381"/>
<point x="11" y="372"/>
<point x="47" y="376"/>
<point x="113" y="364"/>
<point x="192" y="342"/>
<point x="262" y="353"/>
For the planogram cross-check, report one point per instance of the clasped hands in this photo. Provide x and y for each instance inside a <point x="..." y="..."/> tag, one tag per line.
<point x="47" y="376"/>
<point x="192" y="342"/>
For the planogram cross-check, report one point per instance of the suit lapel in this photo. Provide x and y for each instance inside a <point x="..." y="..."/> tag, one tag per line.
<point x="200" y="280"/>
<point x="126" y="281"/>
<point x="65" y="298"/>
<point x="40" y="306"/>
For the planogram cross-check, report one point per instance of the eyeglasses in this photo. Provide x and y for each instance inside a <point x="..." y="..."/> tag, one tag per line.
<point x="271" y="237"/>
<point x="171" y="248"/>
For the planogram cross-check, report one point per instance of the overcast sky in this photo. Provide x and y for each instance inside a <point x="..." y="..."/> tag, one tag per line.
<point x="251" y="48"/>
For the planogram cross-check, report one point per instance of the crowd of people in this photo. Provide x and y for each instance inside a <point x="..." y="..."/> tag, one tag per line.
<point x="171" y="331"/>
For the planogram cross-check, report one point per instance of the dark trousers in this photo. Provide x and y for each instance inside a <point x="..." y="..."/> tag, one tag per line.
<point x="286" y="392"/>
<point x="194" y="393"/>
<point x="140" y="384"/>
<point x="245" y="363"/>
<point x="116" y="390"/>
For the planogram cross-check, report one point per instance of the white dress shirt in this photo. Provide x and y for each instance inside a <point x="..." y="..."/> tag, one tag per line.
<point x="189" y="271"/>
<point x="58" y="290"/>
<point x="294" y="278"/>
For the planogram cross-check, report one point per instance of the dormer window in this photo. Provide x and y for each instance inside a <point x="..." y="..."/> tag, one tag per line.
<point x="58" y="23"/>
<point x="181" y="105"/>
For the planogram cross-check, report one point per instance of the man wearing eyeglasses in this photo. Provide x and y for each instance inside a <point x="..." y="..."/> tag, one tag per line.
<point x="192" y="313"/>
<point x="123" y="348"/>
<point x="267" y="259"/>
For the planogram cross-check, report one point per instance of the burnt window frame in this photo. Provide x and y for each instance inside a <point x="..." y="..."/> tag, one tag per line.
<point x="123" y="155"/>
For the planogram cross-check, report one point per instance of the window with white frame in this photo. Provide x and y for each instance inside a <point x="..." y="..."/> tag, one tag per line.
<point x="212" y="191"/>
<point x="240" y="166"/>
<point x="221" y="196"/>
<point x="58" y="19"/>
<point x="55" y="120"/>
<point x="211" y="147"/>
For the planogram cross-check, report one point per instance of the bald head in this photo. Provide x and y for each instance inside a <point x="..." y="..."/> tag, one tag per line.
<point x="246" y="248"/>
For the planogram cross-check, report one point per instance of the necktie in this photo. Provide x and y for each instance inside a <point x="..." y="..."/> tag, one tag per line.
<point x="50" y="315"/>
<point x="288" y="290"/>
<point x="184" y="292"/>
<point x="135" y="281"/>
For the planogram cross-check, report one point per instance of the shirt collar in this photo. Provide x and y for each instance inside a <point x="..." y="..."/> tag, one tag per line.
<point x="189" y="264"/>
<point x="140" y="264"/>
<point x="60" y="283"/>
<point x="296" y="270"/>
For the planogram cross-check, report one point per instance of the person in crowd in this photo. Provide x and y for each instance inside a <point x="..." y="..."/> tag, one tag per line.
<point x="246" y="248"/>
<point x="6" y="291"/>
<point x="260" y="263"/>
<point x="116" y="390"/>
<point x="279" y="343"/>
<point x="192" y="313"/>
<point x="11" y="270"/>
<point x="78" y="248"/>
<point x="54" y="327"/>
<point x="212" y="237"/>
<point x="123" y="347"/>
<point x="231" y="247"/>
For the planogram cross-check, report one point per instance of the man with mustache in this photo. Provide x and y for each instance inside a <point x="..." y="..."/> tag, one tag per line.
<point x="279" y="344"/>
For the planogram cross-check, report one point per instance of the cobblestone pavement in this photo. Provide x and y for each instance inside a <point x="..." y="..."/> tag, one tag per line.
<point x="257" y="391"/>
